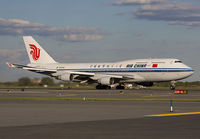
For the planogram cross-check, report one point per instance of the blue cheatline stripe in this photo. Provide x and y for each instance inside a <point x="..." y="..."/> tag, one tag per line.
<point x="132" y="70"/>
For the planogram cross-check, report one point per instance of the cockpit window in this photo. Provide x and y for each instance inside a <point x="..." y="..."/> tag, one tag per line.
<point x="178" y="61"/>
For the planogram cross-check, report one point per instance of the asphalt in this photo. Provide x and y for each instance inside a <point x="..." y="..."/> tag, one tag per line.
<point x="97" y="119"/>
<point x="180" y="127"/>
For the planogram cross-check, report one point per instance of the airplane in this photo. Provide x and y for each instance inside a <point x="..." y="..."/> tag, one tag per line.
<point x="139" y="71"/>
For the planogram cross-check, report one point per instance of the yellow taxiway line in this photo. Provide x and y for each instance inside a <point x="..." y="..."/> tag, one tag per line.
<point x="173" y="114"/>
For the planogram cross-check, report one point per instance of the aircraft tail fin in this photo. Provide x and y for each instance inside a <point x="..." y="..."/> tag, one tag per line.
<point x="35" y="52"/>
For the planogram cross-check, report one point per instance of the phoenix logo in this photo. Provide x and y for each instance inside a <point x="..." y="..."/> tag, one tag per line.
<point x="35" y="52"/>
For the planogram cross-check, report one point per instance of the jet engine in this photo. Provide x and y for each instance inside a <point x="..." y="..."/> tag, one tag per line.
<point x="66" y="77"/>
<point x="148" y="84"/>
<point x="106" y="80"/>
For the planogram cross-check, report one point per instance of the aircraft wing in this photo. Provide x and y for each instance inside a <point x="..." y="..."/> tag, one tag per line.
<point x="89" y="74"/>
<point x="81" y="76"/>
<point x="93" y="77"/>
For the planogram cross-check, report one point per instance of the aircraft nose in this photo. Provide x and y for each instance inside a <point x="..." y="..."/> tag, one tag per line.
<point x="190" y="71"/>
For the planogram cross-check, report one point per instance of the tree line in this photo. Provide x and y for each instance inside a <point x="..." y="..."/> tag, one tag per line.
<point x="26" y="81"/>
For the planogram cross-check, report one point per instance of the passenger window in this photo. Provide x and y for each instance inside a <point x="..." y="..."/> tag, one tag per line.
<point x="95" y="66"/>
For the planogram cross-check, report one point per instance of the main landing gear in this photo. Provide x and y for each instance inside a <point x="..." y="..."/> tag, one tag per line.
<point x="120" y="87"/>
<point x="100" y="86"/>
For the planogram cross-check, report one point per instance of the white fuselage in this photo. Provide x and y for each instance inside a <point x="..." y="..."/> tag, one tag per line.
<point x="139" y="70"/>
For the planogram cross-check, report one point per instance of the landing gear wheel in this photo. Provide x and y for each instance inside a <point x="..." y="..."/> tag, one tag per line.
<point x="172" y="87"/>
<point x="120" y="87"/>
<point x="99" y="86"/>
<point x="107" y="87"/>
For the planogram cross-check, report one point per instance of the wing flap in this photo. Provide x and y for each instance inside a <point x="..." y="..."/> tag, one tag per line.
<point x="82" y="73"/>
<point x="120" y="76"/>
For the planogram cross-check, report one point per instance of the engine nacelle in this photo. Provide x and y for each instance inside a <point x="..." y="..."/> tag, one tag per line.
<point x="106" y="80"/>
<point x="66" y="77"/>
<point x="148" y="84"/>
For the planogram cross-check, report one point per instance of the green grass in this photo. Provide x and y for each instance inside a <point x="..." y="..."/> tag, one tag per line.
<point x="91" y="99"/>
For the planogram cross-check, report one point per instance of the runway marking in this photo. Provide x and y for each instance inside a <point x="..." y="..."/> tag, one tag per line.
<point x="173" y="114"/>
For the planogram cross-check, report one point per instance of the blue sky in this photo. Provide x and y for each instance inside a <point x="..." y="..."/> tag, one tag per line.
<point x="100" y="31"/>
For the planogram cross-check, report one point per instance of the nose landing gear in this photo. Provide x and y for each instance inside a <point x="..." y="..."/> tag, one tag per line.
<point x="172" y="85"/>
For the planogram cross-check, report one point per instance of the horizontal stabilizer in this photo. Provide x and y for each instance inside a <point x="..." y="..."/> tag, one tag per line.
<point x="11" y="65"/>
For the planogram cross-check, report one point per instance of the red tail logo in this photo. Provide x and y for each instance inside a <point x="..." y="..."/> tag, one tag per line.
<point x="35" y="52"/>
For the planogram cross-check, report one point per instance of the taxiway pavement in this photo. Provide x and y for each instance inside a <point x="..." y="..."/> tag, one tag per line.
<point x="97" y="119"/>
